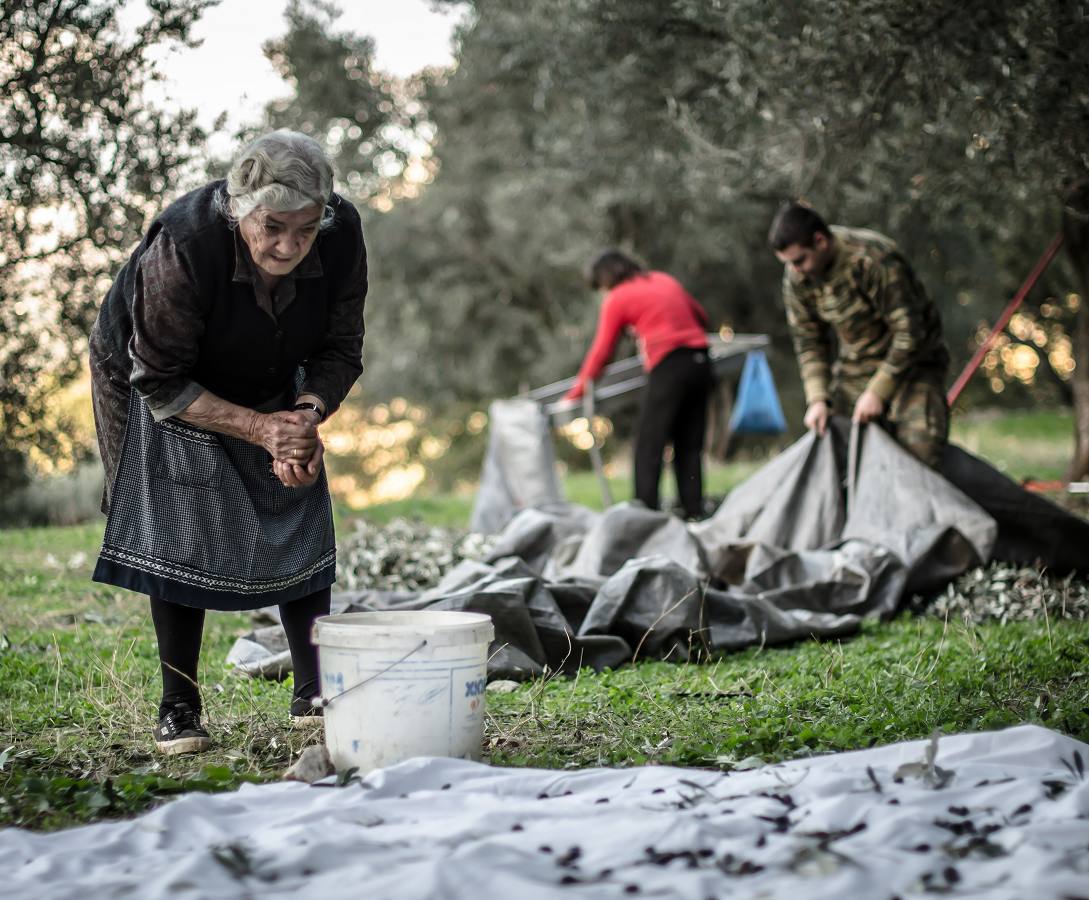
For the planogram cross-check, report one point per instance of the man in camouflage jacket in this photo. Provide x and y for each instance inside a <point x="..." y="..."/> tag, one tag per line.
<point x="868" y="338"/>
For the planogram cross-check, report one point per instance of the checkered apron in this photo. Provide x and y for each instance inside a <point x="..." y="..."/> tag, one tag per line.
<point x="198" y="518"/>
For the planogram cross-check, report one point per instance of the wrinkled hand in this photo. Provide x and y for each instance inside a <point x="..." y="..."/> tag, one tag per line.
<point x="287" y="436"/>
<point x="816" y="417"/>
<point x="868" y="407"/>
<point x="294" y="475"/>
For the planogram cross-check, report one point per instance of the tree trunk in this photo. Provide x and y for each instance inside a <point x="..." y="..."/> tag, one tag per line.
<point x="1076" y="238"/>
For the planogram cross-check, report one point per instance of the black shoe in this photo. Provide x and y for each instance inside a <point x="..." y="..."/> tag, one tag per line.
<point x="179" y="731"/>
<point x="306" y="715"/>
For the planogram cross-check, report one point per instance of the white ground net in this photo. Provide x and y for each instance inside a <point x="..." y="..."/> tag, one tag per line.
<point x="995" y="815"/>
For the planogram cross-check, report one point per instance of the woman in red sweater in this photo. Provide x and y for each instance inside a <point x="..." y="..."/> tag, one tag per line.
<point x="670" y="327"/>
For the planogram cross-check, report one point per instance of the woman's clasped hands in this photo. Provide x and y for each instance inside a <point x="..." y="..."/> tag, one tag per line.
<point x="291" y="438"/>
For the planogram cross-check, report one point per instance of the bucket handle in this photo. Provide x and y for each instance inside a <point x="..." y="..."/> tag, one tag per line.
<point x="322" y="702"/>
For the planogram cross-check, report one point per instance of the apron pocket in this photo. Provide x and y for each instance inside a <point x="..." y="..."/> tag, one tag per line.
<point x="187" y="457"/>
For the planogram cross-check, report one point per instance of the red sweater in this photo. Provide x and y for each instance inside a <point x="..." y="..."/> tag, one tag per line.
<point x="663" y="315"/>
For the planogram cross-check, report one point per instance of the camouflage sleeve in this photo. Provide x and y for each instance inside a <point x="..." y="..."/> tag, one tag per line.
<point x="811" y="344"/>
<point x="901" y="304"/>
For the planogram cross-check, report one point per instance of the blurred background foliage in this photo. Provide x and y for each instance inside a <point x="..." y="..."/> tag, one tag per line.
<point x="671" y="128"/>
<point x="82" y="159"/>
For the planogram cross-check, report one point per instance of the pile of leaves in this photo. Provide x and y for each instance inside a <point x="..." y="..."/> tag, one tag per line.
<point x="404" y="555"/>
<point x="1003" y="592"/>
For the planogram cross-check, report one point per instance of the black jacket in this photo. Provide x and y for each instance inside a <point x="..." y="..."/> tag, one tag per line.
<point x="229" y="345"/>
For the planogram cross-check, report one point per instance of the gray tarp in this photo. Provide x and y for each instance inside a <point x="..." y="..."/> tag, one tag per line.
<point x="519" y="468"/>
<point x="786" y="556"/>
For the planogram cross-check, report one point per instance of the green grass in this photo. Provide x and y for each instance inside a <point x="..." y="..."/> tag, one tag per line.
<point x="79" y="684"/>
<point x="894" y="681"/>
<point x="1024" y="444"/>
<point x="448" y="510"/>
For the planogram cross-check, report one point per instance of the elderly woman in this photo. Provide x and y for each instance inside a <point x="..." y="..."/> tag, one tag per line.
<point x="234" y="329"/>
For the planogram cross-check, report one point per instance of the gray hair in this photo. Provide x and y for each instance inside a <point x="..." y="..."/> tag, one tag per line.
<point x="283" y="171"/>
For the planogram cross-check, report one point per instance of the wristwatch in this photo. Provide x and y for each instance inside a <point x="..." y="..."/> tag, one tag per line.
<point x="308" y="405"/>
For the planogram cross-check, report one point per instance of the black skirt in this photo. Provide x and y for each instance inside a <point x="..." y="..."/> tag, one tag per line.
<point x="198" y="518"/>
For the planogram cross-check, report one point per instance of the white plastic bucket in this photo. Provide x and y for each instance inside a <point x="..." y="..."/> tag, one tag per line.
<point x="402" y="684"/>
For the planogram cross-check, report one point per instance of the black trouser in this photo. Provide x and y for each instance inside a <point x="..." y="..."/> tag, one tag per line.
<point x="674" y="411"/>
<point x="179" y="630"/>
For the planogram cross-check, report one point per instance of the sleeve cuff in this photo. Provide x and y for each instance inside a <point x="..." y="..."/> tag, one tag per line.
<point x="163" y="409"/>
<point x="816" y="389"/>
<point x="322" y="394"/>
<point x="883" y="384"/>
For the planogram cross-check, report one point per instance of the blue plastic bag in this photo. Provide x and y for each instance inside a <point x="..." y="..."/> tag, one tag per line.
<point x="757" y="410"/>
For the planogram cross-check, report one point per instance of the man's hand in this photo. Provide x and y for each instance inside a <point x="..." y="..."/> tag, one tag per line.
<point x="300" y="475"/>
<point x="868" y="407"/>
<point x="816" y="417"/>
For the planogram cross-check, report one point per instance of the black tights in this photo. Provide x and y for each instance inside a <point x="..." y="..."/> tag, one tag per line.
<point x="179" y="630"/>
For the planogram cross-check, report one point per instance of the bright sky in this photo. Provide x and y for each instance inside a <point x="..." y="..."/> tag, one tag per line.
<point x="228" y="72"/>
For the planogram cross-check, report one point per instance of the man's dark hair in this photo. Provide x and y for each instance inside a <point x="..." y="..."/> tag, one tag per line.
<point x="795" y="223"/>
<point x="610" y="268"/>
